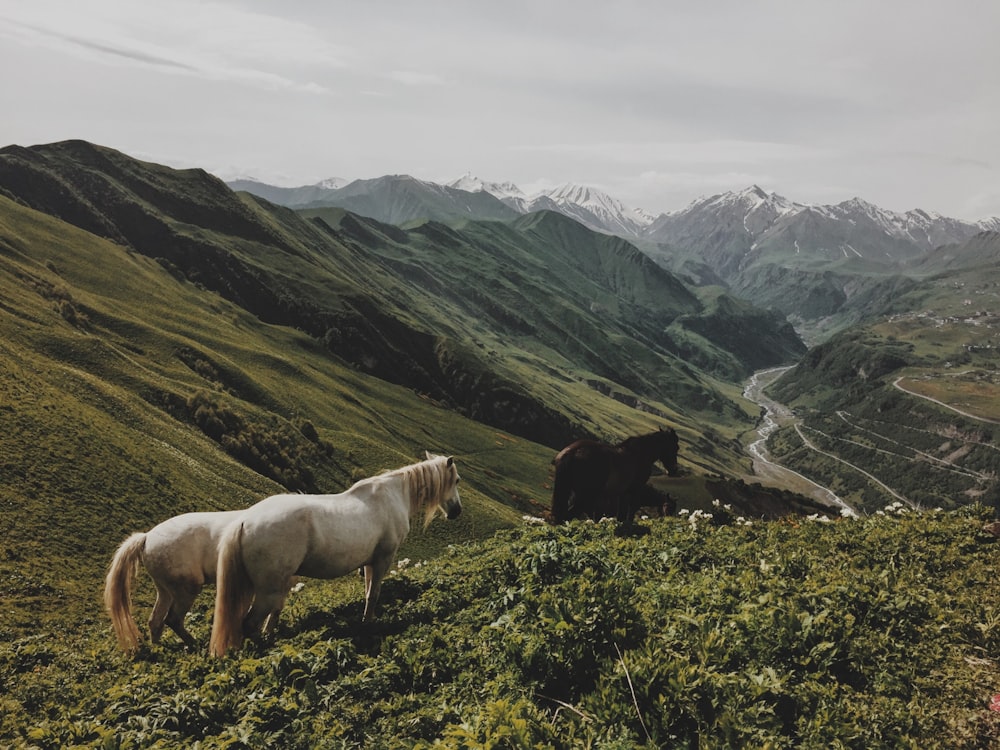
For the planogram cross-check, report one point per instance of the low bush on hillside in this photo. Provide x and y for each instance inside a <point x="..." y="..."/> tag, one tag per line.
<point x="857" y="633"/>
<point x="278" y="450"/>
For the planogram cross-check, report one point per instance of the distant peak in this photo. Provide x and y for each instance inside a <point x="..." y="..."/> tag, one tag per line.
<point x="858" y="202"/>
<point x="758" y="191"/>
<point x="332" y="183"/>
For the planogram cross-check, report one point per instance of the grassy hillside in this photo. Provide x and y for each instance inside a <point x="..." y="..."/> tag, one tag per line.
<point x="114" y="379"/>
<point x="904" y="407"/>
<point x="703" y="633"/>
<point x="486" y="317"/>
<point x="128" y="395"/>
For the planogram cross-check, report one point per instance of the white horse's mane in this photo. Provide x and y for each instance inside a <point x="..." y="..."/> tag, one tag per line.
<point x="426" y="483"/>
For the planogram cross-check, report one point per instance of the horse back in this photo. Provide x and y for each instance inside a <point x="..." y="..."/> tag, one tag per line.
<point x="319" y="536"/>
<point x="186" y="546"/>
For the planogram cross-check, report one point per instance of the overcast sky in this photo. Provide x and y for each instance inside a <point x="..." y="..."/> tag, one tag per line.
<point x="657" y="103"/>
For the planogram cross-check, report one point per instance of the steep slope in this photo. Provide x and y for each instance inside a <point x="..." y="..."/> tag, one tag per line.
<point x="128" y="395"/>
<point x="520" y="327"/>
<point x="902" y="407"/>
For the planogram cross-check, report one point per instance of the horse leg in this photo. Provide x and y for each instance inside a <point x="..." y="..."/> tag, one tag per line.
<point x="625" y="512"/>
<point x="271" y="623"/>
<point x="184" y="597"/>
<point x="374" y="573"/>
<point x="265" y="604"/>
<point x="161" y="608"/>
<point x="561" y="493"/>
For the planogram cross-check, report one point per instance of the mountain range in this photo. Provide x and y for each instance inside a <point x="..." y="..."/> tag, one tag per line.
<point x="813" y="263"/>
<point x="853" y="227"/>
<point x="170" y="345"/>
<point x="482" y="315"/>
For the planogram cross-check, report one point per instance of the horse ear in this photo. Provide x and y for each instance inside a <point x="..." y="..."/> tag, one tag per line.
<point x="451" y="460"/>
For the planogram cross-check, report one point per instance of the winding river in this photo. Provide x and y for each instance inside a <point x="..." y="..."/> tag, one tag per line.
<point x="775" y="415"/>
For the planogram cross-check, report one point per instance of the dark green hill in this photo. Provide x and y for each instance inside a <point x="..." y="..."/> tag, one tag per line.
<point x="398" y="199"/>
<point x="128" y="396"/>
<point x="902" y="407"/>
<point x="168" y="345"/>
<point x="468" y="315"/>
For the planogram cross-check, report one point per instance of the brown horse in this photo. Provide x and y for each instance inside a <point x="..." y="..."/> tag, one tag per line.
<point x="593" y="479"/>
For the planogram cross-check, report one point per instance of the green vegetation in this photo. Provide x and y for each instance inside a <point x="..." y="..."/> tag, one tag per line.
<point x="514" y="324"/>
<point x="170" y="400"/>
<point x="865" y="400"/>
<point x="181" y="348"/>
<point x="703" y="632"/>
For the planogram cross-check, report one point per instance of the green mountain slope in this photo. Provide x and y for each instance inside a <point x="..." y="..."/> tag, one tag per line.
<point x="179" y="347"/>
<point x="903" y="407"/>
<point x="127" y="396"/>
<point x="473" y="317"/>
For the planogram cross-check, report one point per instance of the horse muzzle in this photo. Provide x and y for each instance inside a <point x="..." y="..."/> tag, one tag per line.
<point x="453" y="511"/>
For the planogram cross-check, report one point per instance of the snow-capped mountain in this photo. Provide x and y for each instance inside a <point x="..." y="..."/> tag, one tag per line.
<point x="730" y="230"/>
<point x="591" y="207"/>
<point x="598" y="210"/>
<point x="724" y="232"/>
<point x="501" y="190"/>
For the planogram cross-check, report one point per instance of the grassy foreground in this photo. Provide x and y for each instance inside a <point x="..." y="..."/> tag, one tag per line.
<point x="702" y="632"/>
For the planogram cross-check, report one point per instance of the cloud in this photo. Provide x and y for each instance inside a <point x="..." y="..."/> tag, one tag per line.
<point x="416" y="78"/>
<point x="206" y="40"/>
<point x="712" y="152"/>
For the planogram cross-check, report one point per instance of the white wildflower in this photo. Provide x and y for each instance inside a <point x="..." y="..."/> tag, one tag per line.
<point x="699" y="515"/>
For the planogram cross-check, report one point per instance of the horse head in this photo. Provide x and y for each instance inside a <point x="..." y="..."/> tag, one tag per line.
<point x="668" y="446"/>
<point x="453" y="503"/>
<point x="448" y="499"/>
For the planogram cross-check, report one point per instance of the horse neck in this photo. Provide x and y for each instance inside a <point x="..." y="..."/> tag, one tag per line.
<point x="643" y="448"/>
<point x="421" y="484"/>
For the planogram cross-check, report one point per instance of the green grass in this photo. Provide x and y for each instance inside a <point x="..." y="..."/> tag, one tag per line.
<point x="97" y="441"/>
<point x="864" y="633"/>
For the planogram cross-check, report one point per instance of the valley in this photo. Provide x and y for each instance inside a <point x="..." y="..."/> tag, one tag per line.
<point x="168" y="344"/>
<point x="774" y="416"/>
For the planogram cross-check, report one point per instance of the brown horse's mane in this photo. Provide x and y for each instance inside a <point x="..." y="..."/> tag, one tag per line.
<point x="629" y="442"/>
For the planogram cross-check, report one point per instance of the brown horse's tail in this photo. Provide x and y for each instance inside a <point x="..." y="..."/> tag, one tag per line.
<point x="118" y="591"/>
<point x="561" y="491"/>
<point x="233" y="591"/>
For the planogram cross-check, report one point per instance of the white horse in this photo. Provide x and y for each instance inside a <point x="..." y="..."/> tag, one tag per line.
<point x="322" y="536"/>
<point x="180" y="556"/>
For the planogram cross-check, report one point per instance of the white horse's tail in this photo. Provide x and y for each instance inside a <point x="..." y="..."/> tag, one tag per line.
<point x="233" y="592"/>
<point x="118" y="591"/>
